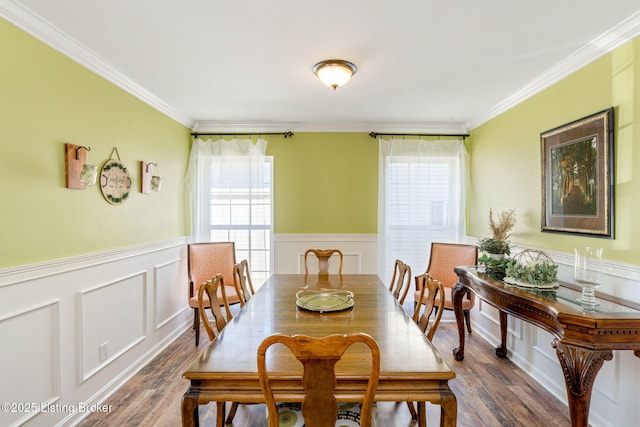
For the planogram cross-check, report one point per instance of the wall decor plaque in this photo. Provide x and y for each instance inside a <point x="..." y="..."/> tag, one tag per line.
<point x="115" y="181"/>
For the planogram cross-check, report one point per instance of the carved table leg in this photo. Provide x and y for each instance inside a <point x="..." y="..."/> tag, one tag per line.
<point x="457" y="293"/>
<point x="448" y="410"/>
<point x="580" y="367"/>
<point x="502" y="350"/>
<point x="190" y="408"/>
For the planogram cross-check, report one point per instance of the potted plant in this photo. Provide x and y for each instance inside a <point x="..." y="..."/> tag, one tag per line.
<point x="491" y="246"/>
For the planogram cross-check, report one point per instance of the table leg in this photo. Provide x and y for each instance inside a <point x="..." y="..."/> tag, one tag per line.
<point x="190" y="409"/>
<point x="502" y="350"/>
<point x="580" y="367"/>
<point x="457" y="293"/>
<point x="448" y="410"/>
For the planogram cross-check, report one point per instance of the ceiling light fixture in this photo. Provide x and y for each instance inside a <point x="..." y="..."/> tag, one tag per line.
<point x="334" y="72"/>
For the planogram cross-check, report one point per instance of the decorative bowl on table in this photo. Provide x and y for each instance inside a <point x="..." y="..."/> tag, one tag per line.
<point x="532" y="269"/>
<point x="324" y="300"/>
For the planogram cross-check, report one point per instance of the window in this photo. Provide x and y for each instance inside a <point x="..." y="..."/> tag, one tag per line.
<point x="421" y="200"/>
<point x="242" y="214"/>
<point x="231" y="199"/>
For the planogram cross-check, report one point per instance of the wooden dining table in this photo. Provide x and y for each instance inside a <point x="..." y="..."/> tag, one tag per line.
<point x="411" y="368"/>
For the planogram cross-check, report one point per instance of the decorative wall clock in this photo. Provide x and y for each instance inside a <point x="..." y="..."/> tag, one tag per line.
<point x="115" y="181"/>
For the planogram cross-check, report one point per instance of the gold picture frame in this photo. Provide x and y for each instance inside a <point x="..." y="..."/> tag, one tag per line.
<point x="577" y="176"/>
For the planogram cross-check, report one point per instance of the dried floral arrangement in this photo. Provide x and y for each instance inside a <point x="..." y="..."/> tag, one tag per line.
<point x="502" y="226"/>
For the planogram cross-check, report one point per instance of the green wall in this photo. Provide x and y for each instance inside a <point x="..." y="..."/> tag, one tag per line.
<point x="505" y="155"/>
<point x="46" y="100"/>
<point x="325" y="183"/>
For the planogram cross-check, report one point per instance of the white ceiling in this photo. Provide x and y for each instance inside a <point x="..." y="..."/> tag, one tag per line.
<point x="423" y="65"/>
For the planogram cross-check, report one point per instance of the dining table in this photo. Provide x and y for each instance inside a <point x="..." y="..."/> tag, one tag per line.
<point x="411" y="369"/>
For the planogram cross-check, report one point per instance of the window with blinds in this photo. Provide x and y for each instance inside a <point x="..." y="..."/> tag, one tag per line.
<point x="243" y="214"/>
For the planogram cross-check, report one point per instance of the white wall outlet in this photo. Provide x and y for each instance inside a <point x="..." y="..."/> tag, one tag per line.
<point x="103" y="351"/>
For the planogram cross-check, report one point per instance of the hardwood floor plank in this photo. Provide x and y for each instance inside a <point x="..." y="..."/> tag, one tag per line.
<point x="491" y="392"/>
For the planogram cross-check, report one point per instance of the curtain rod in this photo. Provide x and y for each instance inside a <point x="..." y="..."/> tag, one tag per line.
<point x="377" y="134"/>
<point x="287" y="134"/>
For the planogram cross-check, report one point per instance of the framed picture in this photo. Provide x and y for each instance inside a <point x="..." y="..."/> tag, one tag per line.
<point x="577" y="176"/>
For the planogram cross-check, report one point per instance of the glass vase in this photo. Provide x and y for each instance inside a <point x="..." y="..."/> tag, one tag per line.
<point x="588" y="274"/>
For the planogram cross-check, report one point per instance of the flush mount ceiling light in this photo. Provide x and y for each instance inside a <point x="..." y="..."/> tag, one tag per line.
<point x="334" y="72"/>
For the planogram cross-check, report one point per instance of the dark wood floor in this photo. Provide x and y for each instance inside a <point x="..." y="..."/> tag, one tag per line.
<point x="490" y="392"/>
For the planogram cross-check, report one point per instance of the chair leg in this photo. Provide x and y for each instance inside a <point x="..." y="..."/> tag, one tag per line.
<point x="467" y="320"/>
<point x="232" y="413"/>
<point x="196" y="324"/>
<point x="220" y="414"/>
<point x="412" y="411"/>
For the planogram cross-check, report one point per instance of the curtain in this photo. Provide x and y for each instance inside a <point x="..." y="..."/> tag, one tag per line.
<point x="421" y="193"/>
<point x="223" y="169"/>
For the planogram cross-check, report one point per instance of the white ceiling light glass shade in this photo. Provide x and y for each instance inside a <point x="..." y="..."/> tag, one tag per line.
<point x="334" y="72"/>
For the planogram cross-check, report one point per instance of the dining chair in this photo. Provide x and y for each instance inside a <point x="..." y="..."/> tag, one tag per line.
<point x="444" y="257"/>
<point x="244" y="289"/>
<point x="318" y="357"/>
<point x="323" y="256"/>
<point x="204" y="261"/>
<point x="242" y="281"/>
<point x="401" y="281"/>
<point x="208" y="298"/>
<point x="431" y="292"/>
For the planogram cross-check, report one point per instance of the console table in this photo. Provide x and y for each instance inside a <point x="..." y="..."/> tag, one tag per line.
<point x="583" y="340"/>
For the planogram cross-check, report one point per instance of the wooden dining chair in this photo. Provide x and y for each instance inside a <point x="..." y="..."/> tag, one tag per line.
<point x="323" y="256"/>
<point x="208" y="298"/>
<point x="401" y="281"/>
<point x="432" y="303"/>
<point x="443" y="259"/>
<point x="244" y="289"/>
<point x="318" y="357"/>
<point x="204" y="261"/>
<point x="242" y="281"/>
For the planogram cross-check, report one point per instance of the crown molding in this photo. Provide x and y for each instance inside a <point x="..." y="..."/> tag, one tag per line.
<point x="380" y="127"/>
<point x="34" y="25"/>
<point x="601" y="45"/>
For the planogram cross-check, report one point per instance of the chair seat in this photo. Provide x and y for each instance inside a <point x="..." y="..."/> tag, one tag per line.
<point x="232" y="297"/>
<point x="348" y="414"/>
<point x="467" y="304"/>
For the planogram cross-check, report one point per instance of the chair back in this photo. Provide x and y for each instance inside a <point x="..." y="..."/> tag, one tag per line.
<point x="205" y="260"/>
<point x="431" y="300"/>
<point x="445" y="256"/>
<point x="319" y="357"/>
<point x="242" y="281"/>
<point x="210" y="289"/>
<point x="323" y="256"/>
<point x="401" y="281"/>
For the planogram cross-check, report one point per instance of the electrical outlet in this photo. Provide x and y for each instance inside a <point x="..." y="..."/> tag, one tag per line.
<point x="103" y="351"/>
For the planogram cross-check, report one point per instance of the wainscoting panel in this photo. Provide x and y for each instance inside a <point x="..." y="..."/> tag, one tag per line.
<point x="30" y="338"/>
<point x="169" y="298"/>
<point x="359" y="250"/>
<point x="122" y="303"/>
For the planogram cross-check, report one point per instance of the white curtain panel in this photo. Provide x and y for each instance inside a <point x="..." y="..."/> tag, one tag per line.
<point x="421" y="194"/>
<point x="220" y="164"/>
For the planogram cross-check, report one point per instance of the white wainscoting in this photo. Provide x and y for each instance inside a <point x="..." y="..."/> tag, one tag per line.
<point x="359" y="250"/>
<point x="614" y="401"/>
<point x="55" y="316"/>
